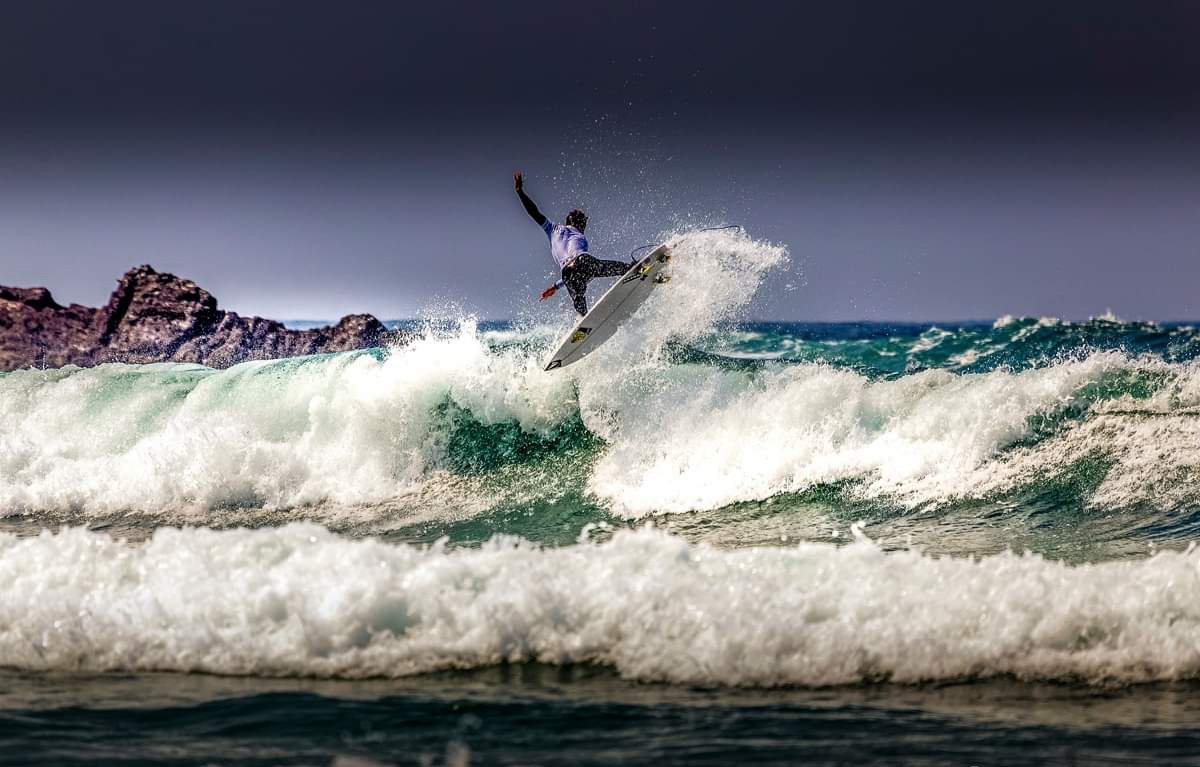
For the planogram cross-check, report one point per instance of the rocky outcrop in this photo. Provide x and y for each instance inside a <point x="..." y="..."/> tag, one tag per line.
<point x="156" y="317"/>
<point x="36" y="331"/>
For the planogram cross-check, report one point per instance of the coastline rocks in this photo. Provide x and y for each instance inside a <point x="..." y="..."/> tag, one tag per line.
<point x="157" y="317"/>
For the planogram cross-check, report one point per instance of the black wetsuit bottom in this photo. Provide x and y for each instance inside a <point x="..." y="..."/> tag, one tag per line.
<point x="582" y="270"/>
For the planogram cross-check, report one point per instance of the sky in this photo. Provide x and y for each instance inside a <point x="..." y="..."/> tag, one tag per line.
<point x="921" y="161"/>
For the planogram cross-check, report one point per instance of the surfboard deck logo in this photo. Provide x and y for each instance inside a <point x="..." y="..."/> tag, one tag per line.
<point x="613" y="309"/>
<point x="633" y="276"/>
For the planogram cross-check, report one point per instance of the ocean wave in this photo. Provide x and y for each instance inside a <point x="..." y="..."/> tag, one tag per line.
<point x="358" y="429"/>
<point x="348" y="428"/>
<point x="354" y="428"/>
<point x="300" y="601"/>
<point x="651" y="423"/>
<point x="1012" y="343"/>
<point x="1145" y="440"/>
<point x="708" y="437"/>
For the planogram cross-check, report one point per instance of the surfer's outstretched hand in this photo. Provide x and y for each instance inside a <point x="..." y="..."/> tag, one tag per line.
<point x="518" y="180"/>
<point x="548" y="292"/>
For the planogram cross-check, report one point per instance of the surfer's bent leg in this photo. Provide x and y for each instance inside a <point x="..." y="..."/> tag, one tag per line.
<point x="576" y="280"/>
<point x="582" y="270"/>
<point x="609" y="268"/>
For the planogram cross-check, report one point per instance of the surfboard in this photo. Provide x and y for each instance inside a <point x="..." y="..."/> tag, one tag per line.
<point x="613" y="308"/>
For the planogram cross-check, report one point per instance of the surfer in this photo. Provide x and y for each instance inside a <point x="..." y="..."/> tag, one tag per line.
<point x="569" y="249"/>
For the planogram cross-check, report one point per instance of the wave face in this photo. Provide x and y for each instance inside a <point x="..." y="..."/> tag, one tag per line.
<point x="300" y="601"/>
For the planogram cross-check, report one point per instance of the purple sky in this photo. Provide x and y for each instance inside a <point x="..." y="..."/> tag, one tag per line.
<point x="304" y="161"/>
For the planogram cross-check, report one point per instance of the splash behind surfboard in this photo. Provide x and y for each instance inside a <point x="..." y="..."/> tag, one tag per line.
<point x="613" y="308"/>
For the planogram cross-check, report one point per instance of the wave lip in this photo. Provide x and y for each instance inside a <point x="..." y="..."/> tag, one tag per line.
<point x="300" y="601"/>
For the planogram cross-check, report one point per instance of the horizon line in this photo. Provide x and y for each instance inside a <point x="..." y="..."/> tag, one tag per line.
<point x="974" y="321"/>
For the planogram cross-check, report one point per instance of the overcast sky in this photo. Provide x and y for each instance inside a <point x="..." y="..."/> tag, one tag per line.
<point x="926" y="160"/>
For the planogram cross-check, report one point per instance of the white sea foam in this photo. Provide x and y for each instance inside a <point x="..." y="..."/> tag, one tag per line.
<point x="928" y="340"/>
<point x="345" y="428"/>
<point x="351" y="429"/>
<point x="299" y="601"/>
<point x="1041" y="322"/>
<point x="1004" y="321"/>
<point x="703" y="438"/>
<point x="1150" y="444"/>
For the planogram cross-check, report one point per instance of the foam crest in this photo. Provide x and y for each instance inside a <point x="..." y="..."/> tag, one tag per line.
<point x="1147" y="446"/>
<point x="299" y="601"/>
<point x="701" y="438"/>
<point x="348" y="428"/>
<point x="354" y="429"/>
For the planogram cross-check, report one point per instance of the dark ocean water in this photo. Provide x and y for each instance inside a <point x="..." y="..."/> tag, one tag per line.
<point x="710" y="542"/>
<point x="539" y="715"/>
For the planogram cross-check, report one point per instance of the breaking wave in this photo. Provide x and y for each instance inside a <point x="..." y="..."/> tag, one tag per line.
<point x="362" y="428"/>
<point x="300" y="601"/>
<point x="678" y="412"/>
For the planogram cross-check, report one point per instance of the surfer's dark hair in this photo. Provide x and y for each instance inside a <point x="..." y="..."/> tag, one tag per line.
<point x="577" y="218"/>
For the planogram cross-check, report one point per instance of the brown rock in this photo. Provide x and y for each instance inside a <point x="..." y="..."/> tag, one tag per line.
<point x="35" y="331"/>
<point x="152" y="317"/>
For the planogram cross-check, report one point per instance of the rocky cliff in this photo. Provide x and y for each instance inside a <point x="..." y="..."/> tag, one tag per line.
<point x="156" y="317"/>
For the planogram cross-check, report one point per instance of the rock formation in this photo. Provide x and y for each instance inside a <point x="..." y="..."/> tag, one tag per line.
<point x="157" y="317"/>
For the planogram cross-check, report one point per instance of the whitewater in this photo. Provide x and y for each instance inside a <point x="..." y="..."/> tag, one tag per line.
<point x="300" y="601"/>
<point x="703" y="501"/>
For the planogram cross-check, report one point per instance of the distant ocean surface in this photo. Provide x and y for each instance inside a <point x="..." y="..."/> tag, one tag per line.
<point x="711" y="542"/>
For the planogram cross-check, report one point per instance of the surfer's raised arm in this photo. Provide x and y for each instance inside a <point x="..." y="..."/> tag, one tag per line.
<point x="569" y="249"/>
<point x="530" y="208"/>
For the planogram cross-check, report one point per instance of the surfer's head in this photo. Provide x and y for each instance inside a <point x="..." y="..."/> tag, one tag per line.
<point x="578" y="219"/>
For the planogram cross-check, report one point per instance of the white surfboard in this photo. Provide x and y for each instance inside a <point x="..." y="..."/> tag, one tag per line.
<point x="613" y="308"/>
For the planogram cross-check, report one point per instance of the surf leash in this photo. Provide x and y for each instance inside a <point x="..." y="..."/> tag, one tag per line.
<point x="633" y="253"/>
